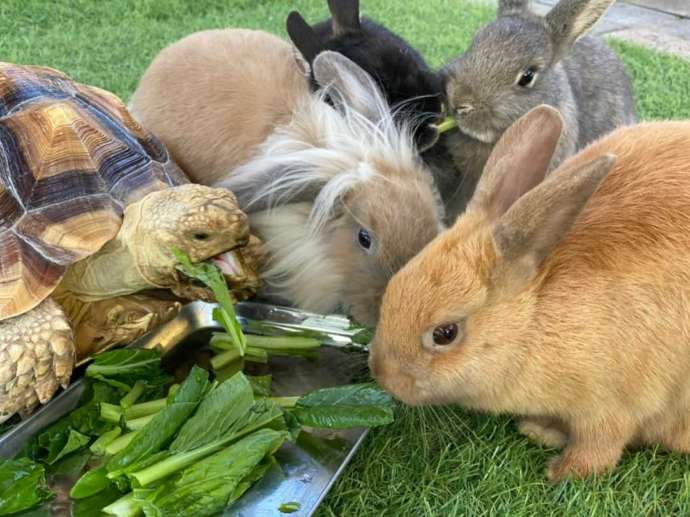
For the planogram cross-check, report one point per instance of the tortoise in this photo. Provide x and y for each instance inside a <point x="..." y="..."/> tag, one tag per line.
<point x="91" y="206"/>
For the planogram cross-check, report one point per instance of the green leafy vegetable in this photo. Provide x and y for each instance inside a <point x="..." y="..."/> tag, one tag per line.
<point x="212" y="277"/>
<point x="217" y="413"/>
<point x="290" y="507"/>
<point x="208" y="486"/>
<point x="69" y="467"/>
<point x="58" y="441"/>
<point x="92" y="505"/>
<point x="123" y="367"/>
<point x="261" y="384"/>
<point x="161" y="429"/>
<point x="133" y="394"/>
<point x="23" y="485"/>
<point x="126" y="506"/>
<point x="356" y="405"/>
<point x="90" y="483"/>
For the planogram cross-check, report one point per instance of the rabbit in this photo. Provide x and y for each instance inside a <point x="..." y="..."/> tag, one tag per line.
<point x="338" y="195"/>
<point x="208" y="99"/>
<point x="521" y="60"/>
<point x="411" y="88"/>
<point x="564" y="301"/>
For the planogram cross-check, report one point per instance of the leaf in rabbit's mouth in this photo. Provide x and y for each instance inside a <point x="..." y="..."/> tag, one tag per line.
<point x="446" y="124"/>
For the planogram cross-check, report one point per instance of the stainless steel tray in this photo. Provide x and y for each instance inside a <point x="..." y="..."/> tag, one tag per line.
<point x="309" y="467"/>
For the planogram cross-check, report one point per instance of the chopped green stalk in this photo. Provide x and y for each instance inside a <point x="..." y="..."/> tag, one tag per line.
<point x="222" y="341"/>
<point x="225" y="358"/>
<point x="126" y="506"/>
<point x="270" y="343"/>
<point x="145" y="408"/>
<point x="98" y="447"/>
<point x="286" y="402"/>
<point x="131" y="397"/>
<point x="447" y="124"/>
<point x="256" y="355"/>
<point x="119" y="443"/>
<point x="110" y="412"/>
<point x="138" y="423"/>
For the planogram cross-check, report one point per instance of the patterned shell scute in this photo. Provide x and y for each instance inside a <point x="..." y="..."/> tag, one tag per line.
<point x="71" y="158"/>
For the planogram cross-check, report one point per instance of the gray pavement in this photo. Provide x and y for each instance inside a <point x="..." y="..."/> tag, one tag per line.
<point x="660" y="24"/>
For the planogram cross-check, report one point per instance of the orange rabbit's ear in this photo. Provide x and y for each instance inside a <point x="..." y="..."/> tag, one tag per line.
<point x="518" y="162"/>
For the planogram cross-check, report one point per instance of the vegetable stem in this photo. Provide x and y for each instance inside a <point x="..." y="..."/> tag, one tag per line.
<point x="133" y="394"/>
<point x="145" y="408"/>
<point x="99" y="446"/>
<point x="225" y="358"/>
<point x="119" y="443"/>
<point x="281" y="342"/>
<point x="126" y="506"/>
<point x="138" y="423"/>
<point x="286" y="402"/>
<point x="110" y="412"/>
<point x="256" y="355"/>
<point x="447" y="124"/>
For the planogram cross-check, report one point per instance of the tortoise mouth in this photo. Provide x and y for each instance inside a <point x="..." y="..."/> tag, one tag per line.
<point x="229" y="263"/>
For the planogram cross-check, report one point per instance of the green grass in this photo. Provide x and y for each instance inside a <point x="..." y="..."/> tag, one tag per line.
<point x="441" y="461"/>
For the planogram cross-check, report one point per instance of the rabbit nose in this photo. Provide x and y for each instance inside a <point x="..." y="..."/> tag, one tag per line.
<point x="464" y="108"/>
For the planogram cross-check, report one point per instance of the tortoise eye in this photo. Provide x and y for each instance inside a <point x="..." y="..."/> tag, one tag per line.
<point x="201" y="236"/>
<point x="442" y="336"/>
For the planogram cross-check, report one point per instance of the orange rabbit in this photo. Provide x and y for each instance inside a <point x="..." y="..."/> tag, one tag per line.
<point x="564" y="301"/>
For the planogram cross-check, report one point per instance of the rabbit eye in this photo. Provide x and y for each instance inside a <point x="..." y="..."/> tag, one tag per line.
<point x="364" y="239"/>
<point x="527" y="77"/>
<point x="442" y="336"/>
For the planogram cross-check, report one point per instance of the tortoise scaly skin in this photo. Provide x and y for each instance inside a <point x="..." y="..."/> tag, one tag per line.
<point x="90" y="206"/>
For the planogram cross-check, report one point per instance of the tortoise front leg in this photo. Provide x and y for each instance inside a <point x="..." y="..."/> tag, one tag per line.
<point x="36" y="358"/>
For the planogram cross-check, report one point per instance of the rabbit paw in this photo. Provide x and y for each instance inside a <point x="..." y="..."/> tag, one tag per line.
<point x="580" y="463"/>
<point x="539" y="431"/>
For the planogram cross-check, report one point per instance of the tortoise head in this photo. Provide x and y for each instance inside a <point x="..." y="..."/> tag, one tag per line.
<point x="202" y="222"/>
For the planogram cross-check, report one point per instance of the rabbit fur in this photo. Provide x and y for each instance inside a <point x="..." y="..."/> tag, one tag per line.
<point x="565" y="302"/>
<point x="214" y="95"/>
<point x="579" y="75"/>
<point x="330" y="177"/>
<point x="414" y="92"/>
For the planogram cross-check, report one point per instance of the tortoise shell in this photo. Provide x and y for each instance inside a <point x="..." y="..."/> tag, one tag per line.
<point x="71" y="159"/>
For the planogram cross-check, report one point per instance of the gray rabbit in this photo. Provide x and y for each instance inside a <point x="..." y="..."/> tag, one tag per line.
<point x="521" y="60"/>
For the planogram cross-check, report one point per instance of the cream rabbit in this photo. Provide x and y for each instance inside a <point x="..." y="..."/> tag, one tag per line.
<point x="564" y="301"/>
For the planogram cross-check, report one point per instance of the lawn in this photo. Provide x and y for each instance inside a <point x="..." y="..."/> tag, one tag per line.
<point x="432" y="461"/>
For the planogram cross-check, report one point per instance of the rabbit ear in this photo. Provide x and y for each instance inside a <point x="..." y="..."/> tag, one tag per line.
<point x="518" y="162"/>
<point x="537" y="222"/>
<point x="303" y="36"/>
<point x="571" y="19"/>
<point x="345" y="15"/>
<point x="508" y="7"/>
<point x="349" y="85"/>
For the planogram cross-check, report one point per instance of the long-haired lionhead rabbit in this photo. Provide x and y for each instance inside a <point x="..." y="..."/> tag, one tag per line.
<point x="564" y="301"/>
<point x="521" y="60"/>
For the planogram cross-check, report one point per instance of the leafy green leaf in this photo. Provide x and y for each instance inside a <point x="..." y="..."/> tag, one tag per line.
<point x="70" y="467"/>
<point x="290" y="507"/>
<point x="261" y="384"/>
<point x="206" y="487"/>
<point x="90" y="483"/>
<point x="342" y="407"/>
<point x="125" y="366"/>
<point x="212" y="277"/>
<point x="23" y="486"/>
<point x="155" y="435"/>
<point x="92" y="505"/>
<point x="218" y="411"/>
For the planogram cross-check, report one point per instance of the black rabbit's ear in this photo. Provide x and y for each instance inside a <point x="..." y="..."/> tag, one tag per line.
<point x="508" y="7"/>
<point x="303" y="36"/>
<point x="345" y="14"/>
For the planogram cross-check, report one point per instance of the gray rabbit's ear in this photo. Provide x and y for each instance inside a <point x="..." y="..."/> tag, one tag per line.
<point x="303" y="37"/>
<point x="509" y="7"/>
<point x="571" y="19"/>
<point x="345" y="15"/>
<point x="347" y="84"/>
